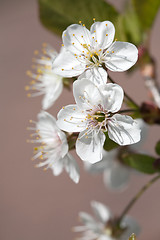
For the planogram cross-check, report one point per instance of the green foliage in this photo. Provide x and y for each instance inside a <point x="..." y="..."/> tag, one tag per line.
<point x="58" y="15"/>
<point x="140" y="162"/>
<point x="157" y="148"/>
<point x="146" y="11"/>
<point x="131" y="26"/>
<point x="109" y="144"/>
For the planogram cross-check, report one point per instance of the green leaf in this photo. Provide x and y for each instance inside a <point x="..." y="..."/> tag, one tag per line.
<point x="109" y="144"/>
<point x="146" y="11"/>
<point x="132" y="25"/>
<point x="140" y="162"/>
<point x="57" y="15"/>
<point x="157" y="148"/>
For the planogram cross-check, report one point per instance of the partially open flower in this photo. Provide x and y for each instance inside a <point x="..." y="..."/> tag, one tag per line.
<point x="95" y="113"/>
<point x="45" y="81"/>
<point x="52" y="147"/>
<point x="103" y="225"/>
<point x="90" y="50"/>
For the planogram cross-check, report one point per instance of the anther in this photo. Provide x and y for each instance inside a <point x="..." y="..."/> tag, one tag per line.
<point x="62" y="45"/>
<point x="26" y="88"/>
<point x="112" y="51"/>
<point x="62" y="69"/>
<point x="80" y="22"/>
<point x="36" y="52"/>
<point x="106" y="34"/>
<point x="94" y="19"/>
<point x="44" y="44"/>
<point x="73" y="34"/>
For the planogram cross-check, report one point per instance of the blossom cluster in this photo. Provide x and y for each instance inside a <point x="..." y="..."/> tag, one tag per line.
<point x="86" y="55"/>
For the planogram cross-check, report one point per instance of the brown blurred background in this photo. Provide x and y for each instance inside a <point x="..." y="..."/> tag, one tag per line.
<point x="35" y="204"/>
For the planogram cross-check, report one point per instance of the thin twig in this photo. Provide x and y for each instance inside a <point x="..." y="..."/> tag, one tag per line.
<point x="137" y="196"/>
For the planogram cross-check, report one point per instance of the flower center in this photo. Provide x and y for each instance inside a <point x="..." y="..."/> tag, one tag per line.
<point x="97" y="119"/>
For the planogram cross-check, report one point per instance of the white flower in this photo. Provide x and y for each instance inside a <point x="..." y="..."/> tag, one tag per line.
<point x="100" y="227"/>
<point x="94" y="114"/>
<point x="116" y="175"/>
<point x="45" y="81"/>
<point x="89" y="50"/>
<point x="53" y="148"/>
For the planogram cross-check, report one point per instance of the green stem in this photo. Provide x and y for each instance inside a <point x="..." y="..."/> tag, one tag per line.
<point x="128" y="110"/>
<point x="137" y="196"/>
<point x="125" y="94"/>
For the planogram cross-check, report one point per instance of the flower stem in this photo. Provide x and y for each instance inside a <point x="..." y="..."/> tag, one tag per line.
<point x="125" y="94"/>
<point x="128" y="110"/>
<point x="137" y="196"/>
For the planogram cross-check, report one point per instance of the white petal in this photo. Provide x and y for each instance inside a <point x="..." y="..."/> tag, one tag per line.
<point x="52" y="93"/>
<point x="106" y="162"/>
<point x="103" y="32"/>
<point x="75" y="37"/>
<point x="105" y="237"/>
<point x="86" y="94"/>
<point x="72" y="168"/>
<point x="86" y="219"/>
<point x="132" y="227"/>
<point x="57" y="167"/>
<point x="117" y="177"/>
<point x="123" y="130"/>
<point x="90" y="149"/>
<point x="67" y="65"/>
<point x="144" y="132"/>
<point x="71" y="119"/>
<point x="113" y="96"/>
<point x="101" y="211"/>
<point x="121" y="57"/>
<point x="96" y="75"/>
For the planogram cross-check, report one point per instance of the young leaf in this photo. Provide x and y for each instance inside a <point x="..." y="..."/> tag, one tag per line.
<point x="146" y="11"/>
<point x="157" y="148"/>
<point x="141" y="162"/>
<point x="58" y="15"/>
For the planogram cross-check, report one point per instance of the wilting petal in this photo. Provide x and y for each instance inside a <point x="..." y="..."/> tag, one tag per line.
<point x="71" y="119"/>
<point x="86" y="94"/>
<point x="96" y="75"/>
<point x="52" y="93"/>
<point x="123" y="130"/>
<point x="104" y="33"/>
<point x="67" y="65"/>
<point x="101" y="211"/>
<point x="89" y="147"/>
<point x="76" y="37"/>
<point x="117" y="177"/>
<point x="121" y="57"/>
<point x="71" y="167"/>
<point x="113" y="96"/>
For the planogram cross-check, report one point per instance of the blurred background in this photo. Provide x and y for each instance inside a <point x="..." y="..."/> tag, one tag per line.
<point x="34" y="204"/>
